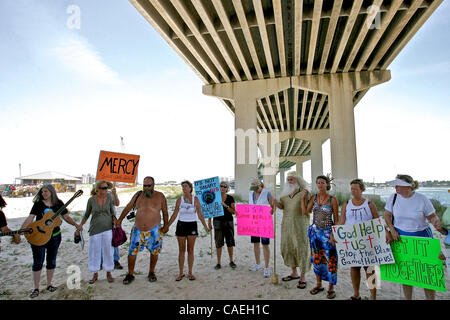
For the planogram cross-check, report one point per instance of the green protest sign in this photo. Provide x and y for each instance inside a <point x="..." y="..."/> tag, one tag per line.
<point x="416" y="264"/>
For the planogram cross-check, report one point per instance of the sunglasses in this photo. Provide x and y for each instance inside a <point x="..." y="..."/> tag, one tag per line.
<point x="148" y="185"/>
<point x="224" y="186"/>
<point x="103" y="188"/>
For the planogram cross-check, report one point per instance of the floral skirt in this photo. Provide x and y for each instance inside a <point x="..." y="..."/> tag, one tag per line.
<point x="323" y="254"/>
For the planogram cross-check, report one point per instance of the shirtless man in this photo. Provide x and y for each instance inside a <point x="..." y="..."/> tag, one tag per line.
<point x="147" y="229"/>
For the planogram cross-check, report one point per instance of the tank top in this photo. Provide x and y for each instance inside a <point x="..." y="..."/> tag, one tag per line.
<point x="323" y="214"/>
<point x="263" y="197"/>
<point x="356" y="214"/>
<point x="187" y="211"/>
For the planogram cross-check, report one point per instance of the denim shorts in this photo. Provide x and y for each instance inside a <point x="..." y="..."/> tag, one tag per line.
<point x="426" y="233"/>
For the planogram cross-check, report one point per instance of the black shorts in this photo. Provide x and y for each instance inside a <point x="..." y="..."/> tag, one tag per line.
<point x="264" y="241"/>
<point x="224" y="230"/>
<point x="185" y="229"/>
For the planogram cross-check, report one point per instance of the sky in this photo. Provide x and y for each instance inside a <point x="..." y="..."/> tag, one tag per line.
<point x="71" y="87"/>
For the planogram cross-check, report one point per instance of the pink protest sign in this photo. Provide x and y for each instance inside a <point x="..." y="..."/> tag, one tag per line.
<point x="254" y="220"/>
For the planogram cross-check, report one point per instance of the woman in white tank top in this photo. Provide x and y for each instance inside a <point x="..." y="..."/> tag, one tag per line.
<point x="356" y="210"/>
<point x="189" y="209"/>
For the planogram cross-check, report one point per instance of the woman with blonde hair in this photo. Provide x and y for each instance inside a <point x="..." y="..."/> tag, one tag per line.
<point x="408" y="213"/>
<point x="101" y="207"/>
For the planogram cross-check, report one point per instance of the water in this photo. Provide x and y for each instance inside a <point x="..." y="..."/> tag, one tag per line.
<point x="440" y="194"/>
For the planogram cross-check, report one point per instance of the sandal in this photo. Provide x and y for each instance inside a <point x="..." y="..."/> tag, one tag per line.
<point x="128" y="279"/>
<point x="316" y="290"/>
<point x="289" y="278"/>
<point x="233" y="265"/>
<point x="179" y="278"/>
<point x="110" y="278"/>
<point x="191" y="277"/>
<point x="331" y="294"/>
<point x="34" y="293"/>
<point x="51" y="288"/>
<point x="152" y="277"/>
<point x="353" y="298"/>
<point x="94" y="278"/>
<point x="301" y="285"/>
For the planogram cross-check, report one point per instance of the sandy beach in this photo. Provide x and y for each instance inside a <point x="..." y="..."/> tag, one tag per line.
<point x="224" y="284"/>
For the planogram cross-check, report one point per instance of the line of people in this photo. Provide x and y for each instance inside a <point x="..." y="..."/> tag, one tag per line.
<point x="302" y="244"/>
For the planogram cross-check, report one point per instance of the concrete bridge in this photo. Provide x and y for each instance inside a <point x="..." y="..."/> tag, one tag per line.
<point x="291" y="71"/>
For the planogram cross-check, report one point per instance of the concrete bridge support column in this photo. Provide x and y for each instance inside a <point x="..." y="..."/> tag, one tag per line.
<point x="244" y="95"/>
<point x="245" y="143"/>
<point x="344" y="164"/>
<point x="341" y="89"/>
<point x="299" y="167"/>
<point x="316" y="160"/>
<point x="282" y="178"/>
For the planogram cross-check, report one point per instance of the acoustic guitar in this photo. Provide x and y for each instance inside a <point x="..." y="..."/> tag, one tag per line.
<point x="21" y="231"/>
<point x="42" y="229"/>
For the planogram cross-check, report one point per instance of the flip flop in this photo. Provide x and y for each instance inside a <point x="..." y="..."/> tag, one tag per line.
<point x="128" y="279"/>
<point x="353" y="298"/>
<point x="179" y="278"/>
<point x="51" y="288"/>
<point x="289" y="278"/>
<point x="316" y="290"/>
<point x="331" y="294"/>
<point x="152" y="277"/>
<point x="34" y="293"/>
<point x="191" y="277"/>
<point x="301" y="285"/>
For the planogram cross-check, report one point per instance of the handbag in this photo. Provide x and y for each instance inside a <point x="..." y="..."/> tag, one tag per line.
<point x="119" y="237"/>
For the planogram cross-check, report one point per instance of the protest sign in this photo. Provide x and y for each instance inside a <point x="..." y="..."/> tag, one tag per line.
<point x="254" y="220"/>
<point x="208" y="192"/>
<point x="447" y="258"/>
<point x="362" y="244"/>
<point x="416" y="264"/>
<point x="117" y="167"/>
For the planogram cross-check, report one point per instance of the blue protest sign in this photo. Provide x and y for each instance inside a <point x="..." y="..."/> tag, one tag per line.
<point x="208" y="192"/>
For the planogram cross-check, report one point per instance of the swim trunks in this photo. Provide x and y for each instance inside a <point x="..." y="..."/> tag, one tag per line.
<point x="152" y="240"/>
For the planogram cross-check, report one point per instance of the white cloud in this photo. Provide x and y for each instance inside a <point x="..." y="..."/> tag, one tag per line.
<point x="79" y="57"/>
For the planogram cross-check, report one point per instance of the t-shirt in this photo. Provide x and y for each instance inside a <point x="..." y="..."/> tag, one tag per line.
<point x="410" y="213"/>
<point x="38" y="210"/>
<point x="2" y="219"/>
<point x="227" y="216"/>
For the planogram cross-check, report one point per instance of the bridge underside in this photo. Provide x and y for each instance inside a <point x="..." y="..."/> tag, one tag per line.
<point x="324" y="55"/>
